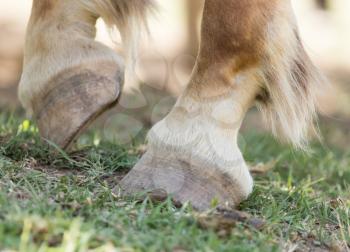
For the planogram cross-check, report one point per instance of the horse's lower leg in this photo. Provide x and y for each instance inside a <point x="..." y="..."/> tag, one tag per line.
<point x="193" y="153"/>
<point x="68" y="78"/>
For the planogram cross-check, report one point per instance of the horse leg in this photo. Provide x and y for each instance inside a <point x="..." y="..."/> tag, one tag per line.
<point x="193" y="153"/>
<point x="68" y="78"/>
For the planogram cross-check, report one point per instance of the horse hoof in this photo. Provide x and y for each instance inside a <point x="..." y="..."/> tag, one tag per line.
<point x="74" y="98"/>
<point x="193" y="182"/>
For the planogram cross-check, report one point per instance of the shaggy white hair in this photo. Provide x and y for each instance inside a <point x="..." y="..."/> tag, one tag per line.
<point x="128" y="16"/>
<point x="289" y="80"/>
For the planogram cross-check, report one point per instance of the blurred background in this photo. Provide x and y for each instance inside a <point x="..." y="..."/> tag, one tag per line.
<point x="166" y="60"/>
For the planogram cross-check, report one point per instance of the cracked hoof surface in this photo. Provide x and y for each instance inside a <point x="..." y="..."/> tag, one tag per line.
<point x="192" y="182"/>
<point x="75" y="98"/>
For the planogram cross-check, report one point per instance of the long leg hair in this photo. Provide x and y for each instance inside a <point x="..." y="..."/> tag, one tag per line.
<point x="290" y="80"/>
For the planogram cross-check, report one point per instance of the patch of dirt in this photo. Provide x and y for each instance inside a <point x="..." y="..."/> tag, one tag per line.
<point x="113" y="179"/>
<point x="56" y="172"/>
<point x="21" y="195"/>
<point x="300" y="242"/>
<point x="4" y="139"/>
<point x="223" y="221"/>
<point x="311" y="245"/>
<point x="262" y="168"/>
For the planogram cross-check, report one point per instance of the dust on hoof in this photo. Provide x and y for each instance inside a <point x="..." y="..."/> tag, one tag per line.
<point x="194" y="182"/>
<point x="75" y="98"/>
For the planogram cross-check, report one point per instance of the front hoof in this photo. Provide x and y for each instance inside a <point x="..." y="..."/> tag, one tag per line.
<point x="195" y="182"/>
<point x="75" y="98"/>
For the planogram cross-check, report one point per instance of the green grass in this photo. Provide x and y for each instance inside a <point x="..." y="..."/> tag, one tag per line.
<point x="53" y="201"/>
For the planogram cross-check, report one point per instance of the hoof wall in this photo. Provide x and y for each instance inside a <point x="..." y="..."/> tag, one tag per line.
<point x="75" y="98"/>
<point x="202" y="186"/>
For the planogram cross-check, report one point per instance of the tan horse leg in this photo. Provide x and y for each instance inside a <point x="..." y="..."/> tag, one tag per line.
<point x="68" y="78"/>
<point x="193" y="153"/>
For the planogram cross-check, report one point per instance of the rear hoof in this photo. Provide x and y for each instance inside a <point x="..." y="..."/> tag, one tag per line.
<point x="75" y="98"/>
<point x="202" y="186"/>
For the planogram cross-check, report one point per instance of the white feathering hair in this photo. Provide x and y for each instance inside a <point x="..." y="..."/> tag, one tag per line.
<point x="128" y="16"/>
<point x="289" y="80"/>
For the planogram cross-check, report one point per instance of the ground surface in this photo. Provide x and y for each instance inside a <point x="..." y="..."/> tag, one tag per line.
<point x="53" y="201"/>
